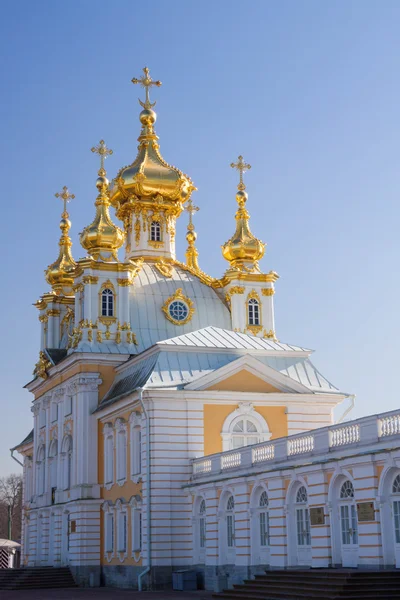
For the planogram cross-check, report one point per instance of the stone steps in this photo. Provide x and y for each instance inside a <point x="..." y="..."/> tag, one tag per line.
<point x="36" y="578"/>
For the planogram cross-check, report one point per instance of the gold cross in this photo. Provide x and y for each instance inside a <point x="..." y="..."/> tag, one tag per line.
<point x="65" y="197"/>
<point x="102" y="150"/>
<point x="146" y="82"/>
<point x="242" y="167"/>
<point x="191" y="209"/>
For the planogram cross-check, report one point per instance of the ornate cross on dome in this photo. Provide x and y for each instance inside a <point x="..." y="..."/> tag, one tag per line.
<point x="146" y="81"/>
<point x="242" y="167"/>
<point x="65" y="197"/>
<point x="191" y="209"/>
<point x="102" y="150"/>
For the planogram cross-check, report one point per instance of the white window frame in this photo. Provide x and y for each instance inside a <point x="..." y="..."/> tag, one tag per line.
<point x="41" y="470"/>
<point x="54" y="412"/>
<point x="136" y="527"/>
<point x="121" y="520"/>
<point x="245" y="411"/>
<point x="155" y="231"/>
<point x="253" y="312"/>
<point x="68" y="409"/>
<point x="107" y="302"/>
<point x="66" y="462"/>
<point x="348" y="514"/>
<point x="108" y="445"/>
<point x="135" y="446"/>
<point x="302" y="512"/>
<point x="53" y="462"/>
<point x="121" y="451"/>
<point x="109" y="530"/>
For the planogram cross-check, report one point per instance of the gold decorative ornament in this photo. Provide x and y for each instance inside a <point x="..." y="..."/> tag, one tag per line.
<point x="165" y="268"/>
<point x="53" y="312"/>
<point x="236" y="289"/>
<point x="191" y="236"/>
<point x="149" y="182"/>
<point x="124" y="282"/>
<point x="90" y="279"/>
<point x="107" y="321"/>
<point x="60" y="274"/>
<point x="270" y="335"/>
<point x="268" y="291"/>
<point x="78" y="287"/>
<point x="178" y="296"/>
<point x="155" y="244"/>
<point x="42" y="365"/>
<point x="243" y="250"/>
<point x="99" y="337"/>
<point x="254" y="329"/>
<point x="102" y="238"/>
<point x="43" y="318"/>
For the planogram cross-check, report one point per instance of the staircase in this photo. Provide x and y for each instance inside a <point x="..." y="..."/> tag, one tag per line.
<point x="321" y="584"/>
<point x="31" y="578"/>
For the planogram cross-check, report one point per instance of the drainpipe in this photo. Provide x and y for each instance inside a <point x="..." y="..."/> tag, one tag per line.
<point x="352" y="399"/>
<point x="148" y="499"/>
<point x="16" y="459"/>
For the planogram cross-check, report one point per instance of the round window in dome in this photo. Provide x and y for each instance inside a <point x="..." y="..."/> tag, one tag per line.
<point x="178" y="308"/>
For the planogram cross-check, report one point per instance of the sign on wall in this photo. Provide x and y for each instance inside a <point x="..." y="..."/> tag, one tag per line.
<point x="317" y="516"/>
<point x="365" y="511"/>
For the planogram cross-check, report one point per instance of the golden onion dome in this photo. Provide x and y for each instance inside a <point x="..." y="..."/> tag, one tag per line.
<point x="60" y="274"/>
<point x="243" y="250"/>
<point x="102" y="238"/>
<point x="149" y="177"/>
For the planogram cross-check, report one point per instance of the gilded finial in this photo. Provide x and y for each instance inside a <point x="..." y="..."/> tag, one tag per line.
<point x="147" y="82"/>
<point x="65" y="197"/>
<point x="102" y="150"/>
<point x="60" y="273"/>
<point x="191" y="236"/>
<point x="242" y="167"/>
<point x="191" y="209"/>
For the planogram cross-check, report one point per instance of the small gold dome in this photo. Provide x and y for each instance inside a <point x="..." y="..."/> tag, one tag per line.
<point x="102" y="238"/>
<point x="60" y="274"/>
<point x="243" y="250"/>
<point x="149" y="178"/>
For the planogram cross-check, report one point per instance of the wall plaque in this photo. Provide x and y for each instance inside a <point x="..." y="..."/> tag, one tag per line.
<point x="317" y="516"/>
<point x="365" y="511"/>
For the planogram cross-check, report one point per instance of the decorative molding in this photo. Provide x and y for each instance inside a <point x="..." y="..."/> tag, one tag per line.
<point x="90" y="279"/>
<point x="165" y="268"/>
<point x="268" y="291"/>
<point x="178" y="295"/>
<point x="236" y="289"/>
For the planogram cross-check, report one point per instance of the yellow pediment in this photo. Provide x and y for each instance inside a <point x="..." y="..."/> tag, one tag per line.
<point x="243" y="381"/>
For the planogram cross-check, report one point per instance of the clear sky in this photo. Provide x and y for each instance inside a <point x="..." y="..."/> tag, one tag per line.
<point x="307" y="91"/>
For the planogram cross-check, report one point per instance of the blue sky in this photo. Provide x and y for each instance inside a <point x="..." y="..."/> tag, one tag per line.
<point x="307" y="91"/>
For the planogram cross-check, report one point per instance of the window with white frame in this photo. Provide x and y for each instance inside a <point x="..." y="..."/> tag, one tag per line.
<point x="263" y="519"/>
<point x="243" y="427"/>
<point x="107" y="303"/>
<point x="202" y="524"/>
<point x="136" y="524"/>
<point x="53" y="458"/>
<point x="244" y="433"/>
<point x="230" y="522"/>
<point x="40" y="470"/>
<point x="136" y="450"/>
<point x="121" y="436"/>
<point x="253" y="312"/>
<point x="66" y="457"/>
<point x="303" y="518"/>
<point x="68" y="405"/>
<point x="53" y="412"/>
<point x="122" y="531"/>
<point x="348" y="514"/>
<point x="109" y="532"/>
<point x="108" y="454"/>
<point x="396" y="508"/>
<point x="155" y="231"/>
<point x="42" y="418"/>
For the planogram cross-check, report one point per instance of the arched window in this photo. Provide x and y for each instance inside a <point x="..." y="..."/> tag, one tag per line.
<point x="53" y="458"/>
<point x="66" y="452"/>
<point x="348" y="514"/>
<point x="109" y="457"/>
<point x="122" y="526"/>
<point x="244" y="433"/>
<point x="136" y="450"/>
<point x="109" y="529"/>
<point x="107" y="303"/>
<point x="253" y="312"/>
<point x="202" y="524"/>
<point x="230" y="522"/>
<point x="121" y="452"/>
<point x="264" y="520"/>
<point x="136" y="524"/>
<point x="396" y="508"/>
<point x="155" y="231"/>
<point x="40" y="470"/>
<point x="302" y="518"/>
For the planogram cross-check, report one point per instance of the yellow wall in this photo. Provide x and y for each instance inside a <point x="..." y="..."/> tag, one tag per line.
<point x="107" y="374"/>
<point x="244" y="381"/>
<point x="215" y="415"/>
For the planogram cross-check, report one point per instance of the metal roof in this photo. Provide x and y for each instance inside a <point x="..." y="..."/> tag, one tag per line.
<point x="215" y="337"/>
<point x="27" y="440"/>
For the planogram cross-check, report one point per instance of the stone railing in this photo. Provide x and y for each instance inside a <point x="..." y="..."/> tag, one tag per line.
<point x="367" y="431"/>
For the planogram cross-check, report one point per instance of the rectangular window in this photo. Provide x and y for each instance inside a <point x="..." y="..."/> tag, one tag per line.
<point x="136" y="517"/>
<point x="109" y="460"/>
<point x="396" y="516"/>
<point x="264" y="529"/>
<point x="68" y="405"/>
<point x="345" y="523"/>
<point x="54" y="412"/>
<point x="136" y="451"/>
<point x="121" y="456"/>
<point x="230" y="530"/>
<point x="122" y="532"/>
<point x="42" y="418"/>
<point x="303" y="527"/>
<point x="109" y="533"/>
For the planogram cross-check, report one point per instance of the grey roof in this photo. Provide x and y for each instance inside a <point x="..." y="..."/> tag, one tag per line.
<point x="27" y="440"/>
<point x="215" y="337"/>
<point x="176" y="368"/>
<point x="56" y="355"/>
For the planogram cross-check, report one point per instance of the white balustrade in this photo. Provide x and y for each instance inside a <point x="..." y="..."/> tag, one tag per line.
<point x="349" y="434"/>
<point x="300" y="445"/>
<point x="389" y="425"/>
<point x="201" y="467"/>
<point x="264" y="452"/>
<point x="231" y="460"/>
